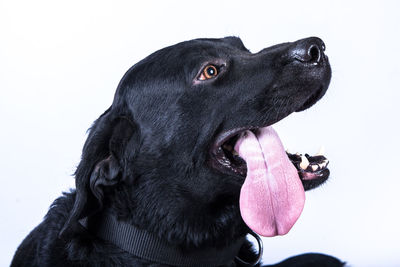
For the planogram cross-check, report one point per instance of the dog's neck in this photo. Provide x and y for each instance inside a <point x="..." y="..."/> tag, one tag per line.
<point x="148" y="246"/>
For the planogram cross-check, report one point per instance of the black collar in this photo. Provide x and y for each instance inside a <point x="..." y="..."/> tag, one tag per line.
<point x="147" y="246"/>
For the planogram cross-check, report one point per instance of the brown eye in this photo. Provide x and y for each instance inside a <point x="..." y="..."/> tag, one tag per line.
<point x="210" y="71"/>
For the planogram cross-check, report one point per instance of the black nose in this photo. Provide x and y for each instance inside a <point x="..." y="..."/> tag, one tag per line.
<point x="309" y="50"/>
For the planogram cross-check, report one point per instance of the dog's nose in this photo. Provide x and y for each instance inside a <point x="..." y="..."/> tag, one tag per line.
<point x="309" y="50"/>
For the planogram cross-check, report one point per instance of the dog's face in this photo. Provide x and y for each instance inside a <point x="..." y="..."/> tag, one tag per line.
<point x="169" y="140"/>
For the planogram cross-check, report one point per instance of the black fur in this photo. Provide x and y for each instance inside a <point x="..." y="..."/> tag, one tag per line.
<point x="147" y="157"/>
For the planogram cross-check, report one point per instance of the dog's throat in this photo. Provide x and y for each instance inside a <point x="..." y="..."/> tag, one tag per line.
<point x="148" y="246"/>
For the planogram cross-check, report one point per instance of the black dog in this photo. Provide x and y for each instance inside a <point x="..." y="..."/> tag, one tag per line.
<point x="184" y="164"/>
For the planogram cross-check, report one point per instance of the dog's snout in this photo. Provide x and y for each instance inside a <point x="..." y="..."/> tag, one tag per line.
<point x="309" y="50"/>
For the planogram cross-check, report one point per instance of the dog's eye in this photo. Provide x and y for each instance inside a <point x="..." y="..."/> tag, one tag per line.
<point x="210" y="71"/>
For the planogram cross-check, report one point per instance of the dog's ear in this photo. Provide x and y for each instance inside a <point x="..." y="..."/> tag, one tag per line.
<point x="102" y="164"/>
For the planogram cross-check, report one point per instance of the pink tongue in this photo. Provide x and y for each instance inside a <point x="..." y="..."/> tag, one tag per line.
<point x="272" y="196"/>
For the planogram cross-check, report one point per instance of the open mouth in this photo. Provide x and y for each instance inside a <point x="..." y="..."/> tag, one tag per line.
<point x="312" y="170"/>
<point x="273" y="193"/>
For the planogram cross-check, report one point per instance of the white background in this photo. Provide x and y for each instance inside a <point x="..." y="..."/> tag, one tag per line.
<point x="60" y="63"/>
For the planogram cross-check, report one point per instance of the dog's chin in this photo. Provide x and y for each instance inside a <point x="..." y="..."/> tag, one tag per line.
<point x="312" y="170"/>
<point x="312" y="99"/>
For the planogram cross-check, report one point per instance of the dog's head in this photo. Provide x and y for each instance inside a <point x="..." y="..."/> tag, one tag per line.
<point x="173" y="154"/>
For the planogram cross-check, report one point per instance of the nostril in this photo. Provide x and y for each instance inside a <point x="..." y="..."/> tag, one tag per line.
<point x="314" y="53"/>
<point x="323" y="46"/>
<point x="308" y="50"/>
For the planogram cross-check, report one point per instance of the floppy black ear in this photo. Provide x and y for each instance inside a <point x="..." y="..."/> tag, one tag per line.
<point x="102" y="165"/>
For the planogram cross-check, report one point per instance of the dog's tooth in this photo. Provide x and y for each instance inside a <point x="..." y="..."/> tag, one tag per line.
<point x="235" y="153"/>
<point x="323" y="164"/>
<point x="314" y="167"/>
<point x="321" y="151"/>
<point x="304" y="162"/>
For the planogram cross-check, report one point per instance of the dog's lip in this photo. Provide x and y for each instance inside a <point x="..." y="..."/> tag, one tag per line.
<point x="219" y="160"/>
<point x="226" y="135"/>
<point x="314" y="172"/>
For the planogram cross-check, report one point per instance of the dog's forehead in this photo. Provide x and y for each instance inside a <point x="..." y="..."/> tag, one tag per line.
<point x="205" y="47"/>
<point x="231" y="41"/>
<point x="219" y="45"/>
<point x="236" y="42"/>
